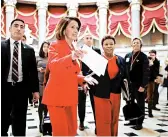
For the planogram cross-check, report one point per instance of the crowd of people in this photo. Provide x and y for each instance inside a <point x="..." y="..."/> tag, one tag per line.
<point x="59" y="82"/>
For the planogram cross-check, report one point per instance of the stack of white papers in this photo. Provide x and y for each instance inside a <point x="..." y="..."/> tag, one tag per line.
<point x="94" y="61"/>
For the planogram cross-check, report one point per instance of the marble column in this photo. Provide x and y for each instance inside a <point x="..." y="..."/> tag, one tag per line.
<point x="10" y="8"/>
<point x="135" y="15"/>
<point x="72" y="7"/>
<point x="102" y="7"/>
<point x="42" y="7"/>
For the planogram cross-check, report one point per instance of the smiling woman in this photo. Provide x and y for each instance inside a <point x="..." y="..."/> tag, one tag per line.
<point x="109" y="90"/>
<point x="61" y="92"/>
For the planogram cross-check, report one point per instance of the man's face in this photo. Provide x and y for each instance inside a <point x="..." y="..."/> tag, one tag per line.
<point x="88" y="40"/>
<point x="152" y="55"/>
<point x="17" y="30"/>
<point x="136" y="44"/>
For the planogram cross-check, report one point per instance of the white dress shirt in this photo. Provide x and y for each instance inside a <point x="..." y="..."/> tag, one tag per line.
<point x="20" y="73"/>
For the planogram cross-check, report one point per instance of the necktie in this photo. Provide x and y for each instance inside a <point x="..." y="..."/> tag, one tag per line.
<point x="15" y="62"/>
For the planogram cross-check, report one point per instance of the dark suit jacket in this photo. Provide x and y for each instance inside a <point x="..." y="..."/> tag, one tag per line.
<point x="154" y="70"/>
<point x="107" y="85"/>
<point x="140" y="69"/>
<point x="29" y="67"/>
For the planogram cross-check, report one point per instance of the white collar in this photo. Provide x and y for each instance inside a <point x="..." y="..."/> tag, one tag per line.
<point x="89" y="46"/>
<point x="12" y="41"/>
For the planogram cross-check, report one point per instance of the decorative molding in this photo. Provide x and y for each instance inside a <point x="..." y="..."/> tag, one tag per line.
<point x="42" y="4"/>
<point x="136" y="5"/>
<point x="102" y="4"/>
<point x="72" y="5"/>
<point x="11" y="3"/>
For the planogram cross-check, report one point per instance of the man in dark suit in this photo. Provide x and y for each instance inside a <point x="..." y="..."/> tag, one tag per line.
<point x="137" y="67"/>
<point x="88" y="40"/>
<point x="19" y="77"/>
<point x="152" y="90"/>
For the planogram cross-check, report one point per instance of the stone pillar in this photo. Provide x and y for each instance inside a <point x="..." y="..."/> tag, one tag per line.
<point x="102" y="6"/>
<point x="10" y="8"/>
<point x="42" y="7"/>
<point x="72" y="7"/>
<point x="135" y="15"/>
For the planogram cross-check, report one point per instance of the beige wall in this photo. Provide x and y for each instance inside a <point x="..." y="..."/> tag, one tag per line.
<point x="156" y="38"/>
<point x="122" y="41"/>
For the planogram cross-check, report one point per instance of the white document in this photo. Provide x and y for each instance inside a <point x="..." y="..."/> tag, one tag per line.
<point x="94" y="61"/>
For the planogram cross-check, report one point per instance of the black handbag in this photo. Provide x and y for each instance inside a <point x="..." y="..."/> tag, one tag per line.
<point x="131" y="110"/>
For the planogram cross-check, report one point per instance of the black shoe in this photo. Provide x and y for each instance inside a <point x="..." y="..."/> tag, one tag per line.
<point x="138" y="127"/>
<point x="155" y="108"/>
<point x="129" y="124"/>
<point x="81" y="127"/>
<point x="150" y="115"/>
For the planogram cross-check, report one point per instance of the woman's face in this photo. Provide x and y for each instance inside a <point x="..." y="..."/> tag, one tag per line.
<point x="71" y="31"/>
<point x="108" y="46"/>
<point x="45" y="47"/>
<point x="136" y="44"/>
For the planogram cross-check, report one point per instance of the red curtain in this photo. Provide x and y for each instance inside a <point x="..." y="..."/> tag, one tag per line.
<point x="3" y="24"/>
<point x="119" y="20"/>
<point x="154" y="15"/>
<point x="28" y="13"/>
<point x="89" y="21"/>
<point x="53" y="17"/>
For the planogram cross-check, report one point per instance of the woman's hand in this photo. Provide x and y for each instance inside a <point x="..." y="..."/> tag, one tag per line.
<point x="77" y="54"/>
<point x="90" y="80"/>
<point x="41" y="69"/>
<point x="141" y="89"/>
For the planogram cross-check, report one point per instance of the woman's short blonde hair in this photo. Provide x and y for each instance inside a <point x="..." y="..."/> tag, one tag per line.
<point x="61" y="26"/>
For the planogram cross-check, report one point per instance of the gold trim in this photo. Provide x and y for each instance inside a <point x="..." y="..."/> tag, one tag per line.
<point x="109" y="22"/>
<point x="57" y="16"/>
<point x="35" y="24"/>
<point x="154" y="23"/>
<point x="87" y="27"/>
<point x="129" y="22"/>
<point x="2" y="21"/>
<point x="119" y="13"/>
<point x="119" y="26"/>
<point x="149" y="29"/>
<point x="26" y="14"/>
<point x="87" y="30"/>
<point x="54" y="16"/>
<point x="87" y="16"/>
<point x="155" y="8"/>
<point x="162" y="31"/>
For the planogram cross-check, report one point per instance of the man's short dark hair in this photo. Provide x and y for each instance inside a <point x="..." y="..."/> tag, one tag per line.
<point x="17" y="20"/>
<point x="152" y="51"/>
<point x="139" y="40"/>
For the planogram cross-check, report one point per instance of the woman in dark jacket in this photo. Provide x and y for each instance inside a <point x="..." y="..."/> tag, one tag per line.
<point x="108" y="92"/>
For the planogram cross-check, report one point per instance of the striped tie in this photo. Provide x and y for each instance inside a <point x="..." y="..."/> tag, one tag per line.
<point x="15" y="62"/>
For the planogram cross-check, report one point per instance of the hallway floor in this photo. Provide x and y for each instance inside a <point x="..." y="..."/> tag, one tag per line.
<point x="156" y="126"/>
